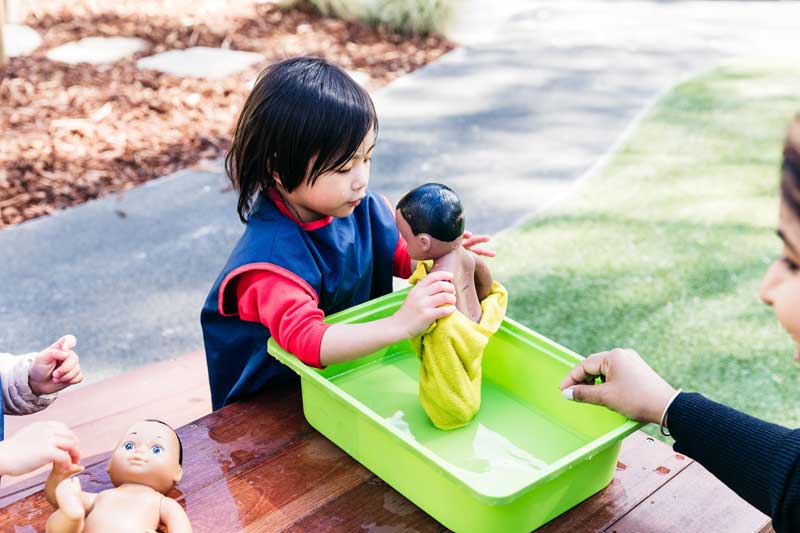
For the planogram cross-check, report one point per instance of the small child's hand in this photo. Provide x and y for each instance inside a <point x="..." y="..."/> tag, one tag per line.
<point x="434" y="297"/>
<point x="471" y="240"/>
<point x="37" y="445"/>
<point x="55" y="368"/>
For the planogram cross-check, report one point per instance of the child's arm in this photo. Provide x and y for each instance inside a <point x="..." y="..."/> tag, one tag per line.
<point x="429" y="300"/>
<point x="174" y="517"/>
<point x="483" y="278"/>
<point x="36" y="445"/>
<point x="18" y="398"/>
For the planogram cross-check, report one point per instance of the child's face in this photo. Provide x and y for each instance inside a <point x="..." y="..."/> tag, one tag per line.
<point x="336" y="193"/>
<point x="147" y="454"/>
<point x="781" y="286"/>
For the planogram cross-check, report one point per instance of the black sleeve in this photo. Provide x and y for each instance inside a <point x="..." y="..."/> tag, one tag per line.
<point x="758" y="460"/>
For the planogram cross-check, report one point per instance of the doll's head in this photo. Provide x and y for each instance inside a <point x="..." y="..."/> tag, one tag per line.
<point x="306" y="129"/>
<point x="431" y="220"/>
<point x="149" y="453"/>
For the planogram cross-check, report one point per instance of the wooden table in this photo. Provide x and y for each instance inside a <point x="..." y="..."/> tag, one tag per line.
<point x="259" y="466"/>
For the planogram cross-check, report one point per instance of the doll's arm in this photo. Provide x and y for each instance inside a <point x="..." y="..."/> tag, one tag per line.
<point x="483" y="278"/>
<point x="57" y="475"/>
<point x="174" y="517"/>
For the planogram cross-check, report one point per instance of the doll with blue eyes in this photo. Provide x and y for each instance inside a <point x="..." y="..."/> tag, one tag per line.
<point x="144" y="467"/>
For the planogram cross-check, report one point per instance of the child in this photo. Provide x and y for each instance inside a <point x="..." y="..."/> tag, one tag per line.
<point x="144" y="467"/>
<point x="25" y="380"/>
<point x="317" y="240"/>
<point x="431" y="220"/>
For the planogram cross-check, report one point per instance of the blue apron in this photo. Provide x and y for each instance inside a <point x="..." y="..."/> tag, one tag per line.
<point x="346" y="262"/>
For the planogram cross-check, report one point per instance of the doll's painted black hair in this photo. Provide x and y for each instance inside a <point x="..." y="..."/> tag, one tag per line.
<point x="790" y="168"/>
<point x="180" y="444"/>
<point x="434" y="209"/>
<point x="304" y="117"/>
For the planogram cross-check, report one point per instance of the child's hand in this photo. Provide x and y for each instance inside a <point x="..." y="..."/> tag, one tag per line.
<point x="471" y="240"/>
<point x="55" y="368"/>
<point x="434" y="297"/>
<point x="37" y="445"/>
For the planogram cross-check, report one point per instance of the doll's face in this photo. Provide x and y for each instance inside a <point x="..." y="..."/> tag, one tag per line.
<point x="147" y="454"/>
<point x="419" y="246"/>
<point x="781" y="286"/>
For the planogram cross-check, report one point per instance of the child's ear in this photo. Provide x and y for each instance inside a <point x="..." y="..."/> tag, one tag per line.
<point x="425" y="241"/>
<point x="277" y="180"/>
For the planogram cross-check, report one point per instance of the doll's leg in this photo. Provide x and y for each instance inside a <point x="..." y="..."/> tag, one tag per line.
<point x="70" y="514"/>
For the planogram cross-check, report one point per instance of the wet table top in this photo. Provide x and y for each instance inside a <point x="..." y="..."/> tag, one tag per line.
<point x="259" y="466"/>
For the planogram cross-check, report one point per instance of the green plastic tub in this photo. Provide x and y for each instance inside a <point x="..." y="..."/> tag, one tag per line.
<point x="528" y="456"/>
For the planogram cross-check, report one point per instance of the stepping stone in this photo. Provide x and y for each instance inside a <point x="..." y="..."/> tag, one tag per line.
<point x="201" y="62"/>
<point x="96" y="50"/>
<point x="20" y="40"/>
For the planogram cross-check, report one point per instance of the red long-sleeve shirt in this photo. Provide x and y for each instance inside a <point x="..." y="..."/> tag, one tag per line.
<point x="280" y="301"/>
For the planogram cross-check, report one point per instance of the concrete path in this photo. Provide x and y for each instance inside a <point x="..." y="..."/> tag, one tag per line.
<point x="512" y="121"/>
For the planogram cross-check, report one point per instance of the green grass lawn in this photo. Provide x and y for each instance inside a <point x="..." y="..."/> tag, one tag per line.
<point x="663" y="250"/>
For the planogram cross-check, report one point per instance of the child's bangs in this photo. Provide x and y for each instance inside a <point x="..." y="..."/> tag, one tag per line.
<point x="346" y="115"/>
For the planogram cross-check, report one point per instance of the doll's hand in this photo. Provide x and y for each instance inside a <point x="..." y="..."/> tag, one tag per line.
<point x="55" y="368"/>
<point x="471" y="240"/>
<point x="631" y="387"/>
<point x="432" y="298"/>
<point x="68" y="497"/>
<point x="36" y="445"/>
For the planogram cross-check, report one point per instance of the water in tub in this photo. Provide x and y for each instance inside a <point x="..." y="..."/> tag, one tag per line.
<point x="507" y="444"/>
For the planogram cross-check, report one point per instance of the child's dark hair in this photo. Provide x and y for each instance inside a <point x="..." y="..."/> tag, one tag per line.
<point x="180" y="444"/>
<point x="301" y="111"/>
<point x="790" y="168"/>
<point x="434" y="209"/>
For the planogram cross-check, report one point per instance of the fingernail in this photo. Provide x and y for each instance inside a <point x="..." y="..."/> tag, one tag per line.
<point x="567" y="393"/>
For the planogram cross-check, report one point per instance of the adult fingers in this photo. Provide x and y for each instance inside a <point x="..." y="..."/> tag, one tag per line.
<point x="586" y="369"/>
<point x="594" y="394"/>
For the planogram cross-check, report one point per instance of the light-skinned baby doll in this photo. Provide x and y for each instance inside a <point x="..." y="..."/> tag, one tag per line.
<point x="145" y="465"/>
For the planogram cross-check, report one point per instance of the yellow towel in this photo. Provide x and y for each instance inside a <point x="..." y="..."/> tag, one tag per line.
<point x="451" y="351"/>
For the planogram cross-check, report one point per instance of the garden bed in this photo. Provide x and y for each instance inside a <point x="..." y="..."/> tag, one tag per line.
<point x="75" y="132"/>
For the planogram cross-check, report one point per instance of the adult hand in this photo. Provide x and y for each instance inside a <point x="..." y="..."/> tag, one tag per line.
<point x="36" y="445"/>
<point x="55" y="368"/>
<point x="471" y="240"/>
<point x="432" y="298"/>
<point x="630" y="387"/>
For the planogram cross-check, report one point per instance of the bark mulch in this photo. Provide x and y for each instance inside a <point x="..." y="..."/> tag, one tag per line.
<point x="71" y="133"/>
